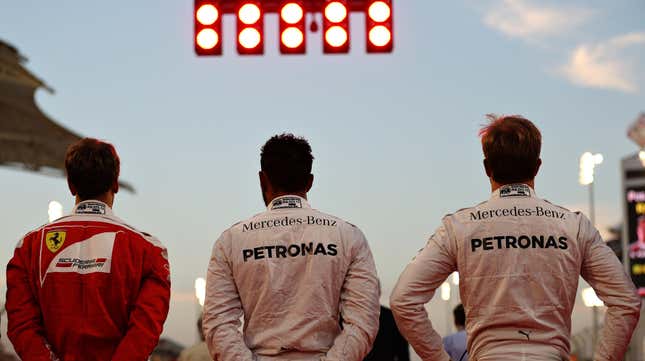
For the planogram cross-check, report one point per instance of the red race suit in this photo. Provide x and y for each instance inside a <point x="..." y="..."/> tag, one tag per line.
<point x="87" y="287"/>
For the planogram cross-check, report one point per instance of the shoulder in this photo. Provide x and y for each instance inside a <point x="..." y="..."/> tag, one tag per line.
<point x="464" y="212"/>
<point x="241" y="226"/>
<point x="135" y="233"/>
<point x="558" y="206"/>
<point x="31" y="235"/>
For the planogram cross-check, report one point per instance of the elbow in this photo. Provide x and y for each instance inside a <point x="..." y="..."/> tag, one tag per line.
<point x="397" y="302"/>
<point x="635" y="306"/>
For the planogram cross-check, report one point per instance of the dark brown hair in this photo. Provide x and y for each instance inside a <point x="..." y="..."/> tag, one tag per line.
<point x="287" y="160"/>
<point x="511" y="146"/>
<point x="92" y="167"/>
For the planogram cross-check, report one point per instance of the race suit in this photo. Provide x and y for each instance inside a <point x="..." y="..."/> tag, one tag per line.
<point x="87" y="287"/>
<point x="292" y="272"/>
<point x="519" y="259"/>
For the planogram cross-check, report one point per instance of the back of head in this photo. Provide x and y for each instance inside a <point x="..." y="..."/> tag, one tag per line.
<point x="92" y="168"/>
<point x="459" y="315"/>
<point x="287" y="160"/>
<point x="512" y="146"/>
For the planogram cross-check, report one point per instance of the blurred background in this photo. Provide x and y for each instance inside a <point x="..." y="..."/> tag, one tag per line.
<point x="394" y="135"/>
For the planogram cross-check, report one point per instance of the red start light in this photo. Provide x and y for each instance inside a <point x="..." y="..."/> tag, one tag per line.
<point x="207" y="14"/>
<point x="250" y="28"/>
<point x="336" y="27"/>
<point x="208" y="27"/>
<point x="379" y="11"/>
<point x="207" y="39"/>
<point x="335" y="12"/>
<point x="292" y="13"/>
<point x="292" y="37"/>
<point x="293" y="29"/>
<point x="379" y="26"/>
<point x="249" y="14"/>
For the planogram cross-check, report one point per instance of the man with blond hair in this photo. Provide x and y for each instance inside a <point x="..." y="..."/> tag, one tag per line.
<point x="519" y="258"/>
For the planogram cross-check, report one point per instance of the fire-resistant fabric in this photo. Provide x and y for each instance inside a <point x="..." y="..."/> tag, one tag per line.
<point x="519" y="258"/>
<point x="291" y="272"/>
<point x="87" y="287"/>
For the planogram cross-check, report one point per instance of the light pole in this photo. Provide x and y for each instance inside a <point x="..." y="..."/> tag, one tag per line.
<point x="588" y="163"/>
<point x="200" y="295"/>
<point x="54" y="211"/>
<point x="445" y="296"/>
<point x="591" y="300"/>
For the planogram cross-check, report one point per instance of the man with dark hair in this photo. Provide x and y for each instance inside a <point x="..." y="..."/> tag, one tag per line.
<point x="88" y="286"/>
<point x="455" y="344"/>
<point x="291" y="272"/>
<point x="519" y="258"/>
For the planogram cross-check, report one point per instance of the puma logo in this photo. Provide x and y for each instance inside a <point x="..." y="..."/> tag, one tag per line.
<point x="525" y="333"/>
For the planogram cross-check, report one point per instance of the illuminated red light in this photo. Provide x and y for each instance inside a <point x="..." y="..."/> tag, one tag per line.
<point x="250" y="38"/>
<point x="292" y="37"/>
<point x="207" y="14"/>
<point x="336" y="36"/>
<point x="335" y="12"/>
<point x="249" y="14"/>
<point x="292" y="13"/>
<point x="380" y="35"/>
<point x="207" y="39"/>
<point x="379" y="11"/>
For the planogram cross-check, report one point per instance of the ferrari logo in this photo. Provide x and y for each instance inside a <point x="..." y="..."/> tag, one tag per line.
<point x="55" y="240"/>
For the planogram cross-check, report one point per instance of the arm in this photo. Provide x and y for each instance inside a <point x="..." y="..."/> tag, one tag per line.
<point x="415" y="288"/>
<point x="223" y="310"/>
<point x="602" y="270"/>
<point x="25" y="327"/>
<point x="151" y="308"/>
<point x="359" y="305"/>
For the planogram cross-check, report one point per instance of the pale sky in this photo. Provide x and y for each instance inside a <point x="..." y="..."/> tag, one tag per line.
<point x="394" y="136"/>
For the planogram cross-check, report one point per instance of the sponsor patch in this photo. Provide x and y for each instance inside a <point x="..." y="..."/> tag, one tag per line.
<point x="55" y="240"/>
<point x="287" y="202"/>
<point x="81" y="264"/>
<point x="90" y="208"/>
<point x="515" y="190"/>
<point x="92" y="255"/>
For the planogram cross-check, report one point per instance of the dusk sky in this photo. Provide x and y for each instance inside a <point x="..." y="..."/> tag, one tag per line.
<point x="394" y="136"/>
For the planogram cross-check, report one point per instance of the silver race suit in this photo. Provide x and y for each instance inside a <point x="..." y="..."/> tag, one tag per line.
<point x="292" y="272"/>
<point x="519" y="258"/>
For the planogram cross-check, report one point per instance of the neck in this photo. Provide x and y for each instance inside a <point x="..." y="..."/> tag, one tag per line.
<point x="107" y="198"/>
<point x="495" y="186"/>
<point x="460" y="328"/>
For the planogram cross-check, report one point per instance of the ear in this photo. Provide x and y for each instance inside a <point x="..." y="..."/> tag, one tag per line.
<point x="489" y="172"/>
<point x="310" y="183"/>
<point x="264" y="181"/>
<point x="537" y="169"/>
<point x="71" y="187"/>
<point x="115" y="187"/>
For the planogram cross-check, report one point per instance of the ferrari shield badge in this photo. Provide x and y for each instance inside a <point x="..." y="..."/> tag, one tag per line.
<point x="55" y="240"/>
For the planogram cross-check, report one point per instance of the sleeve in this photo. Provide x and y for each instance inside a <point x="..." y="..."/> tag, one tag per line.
<point x="604" y="272"/>
<point x="25" y="326"/>
<point x="223" y="310"/>
<point x="359" y="305"/>
<point x="415" y="287"/>
<point x="151" y="308"/>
